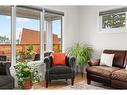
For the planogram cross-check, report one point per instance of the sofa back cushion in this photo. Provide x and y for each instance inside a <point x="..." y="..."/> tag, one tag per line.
<point x="119" y="57"/>
<point x="2" y="68"/>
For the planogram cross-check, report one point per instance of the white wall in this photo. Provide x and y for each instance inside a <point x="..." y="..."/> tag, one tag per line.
<point x="89" y="28"/>
<point x="71" y="24"/>
<point x="82" y="24"/>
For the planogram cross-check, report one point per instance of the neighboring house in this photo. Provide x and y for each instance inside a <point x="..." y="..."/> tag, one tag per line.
<point x="29" y="36"/>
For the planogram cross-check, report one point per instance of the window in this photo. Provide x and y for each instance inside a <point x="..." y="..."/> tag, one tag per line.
<point x="113" y="20"/>
<point x="5" y="33"/>
<point x="29" y="27"/>
<point x="57" y="35"/>
<point x="53" y="41"/>
<point x="27" y="34"/>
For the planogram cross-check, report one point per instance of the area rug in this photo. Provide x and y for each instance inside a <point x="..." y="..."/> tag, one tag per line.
<point x="83" y="85"/>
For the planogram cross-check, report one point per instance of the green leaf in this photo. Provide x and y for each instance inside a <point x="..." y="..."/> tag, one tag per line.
<point x="82" y="52"/>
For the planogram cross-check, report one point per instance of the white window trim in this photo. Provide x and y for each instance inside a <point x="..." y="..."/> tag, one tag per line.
<point x="13" y="36"/>
<point x="42" y="35"/>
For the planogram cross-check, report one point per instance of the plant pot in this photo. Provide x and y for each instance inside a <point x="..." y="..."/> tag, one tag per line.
<point x="27" y="84"/>
<point x="82" y="70"/>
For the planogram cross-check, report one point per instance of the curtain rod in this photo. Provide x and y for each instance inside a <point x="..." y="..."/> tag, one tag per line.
<point x="113" y="11"/>
<point x="41" y="9"/>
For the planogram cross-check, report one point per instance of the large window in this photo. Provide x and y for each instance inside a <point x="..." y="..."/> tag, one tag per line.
<point x="5" y="33"/>
<point x="36" y="30"/>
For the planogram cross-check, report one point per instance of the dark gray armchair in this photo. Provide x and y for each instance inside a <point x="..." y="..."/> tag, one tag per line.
<point x="54" y="72"/>
<point x="6" y="80"/>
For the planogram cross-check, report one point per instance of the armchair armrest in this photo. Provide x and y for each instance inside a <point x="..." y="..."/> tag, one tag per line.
<point x="4" y="68"/>
<point x="72" y="62"/>
<point x="8" y="65"/>
<point x="48" y="61"/>
<point x="7" y="75"/>
<point x="94" y="62"/>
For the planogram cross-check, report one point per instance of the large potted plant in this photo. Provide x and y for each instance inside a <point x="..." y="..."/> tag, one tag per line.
<point x="26" y="75"/>
<point x="81" y="52"/>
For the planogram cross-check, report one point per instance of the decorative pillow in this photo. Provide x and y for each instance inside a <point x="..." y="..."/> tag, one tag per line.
<point x="106" y="59"/>
<point x="58" y="58"/>
<point x="126" y="67"/>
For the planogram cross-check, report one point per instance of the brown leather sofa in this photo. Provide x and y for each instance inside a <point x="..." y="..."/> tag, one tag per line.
<point x="115" y="76"/>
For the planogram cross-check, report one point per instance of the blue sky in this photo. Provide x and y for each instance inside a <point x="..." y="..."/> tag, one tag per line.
<point x="5" y="25"/>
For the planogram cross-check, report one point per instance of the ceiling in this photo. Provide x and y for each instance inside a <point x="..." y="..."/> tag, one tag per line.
<point x="28" y="13"/>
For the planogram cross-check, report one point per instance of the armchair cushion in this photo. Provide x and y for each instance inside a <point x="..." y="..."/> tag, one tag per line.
<point x="5" y="79"/>
<point x="58" y="58"/>
<point x="60" y="69"/>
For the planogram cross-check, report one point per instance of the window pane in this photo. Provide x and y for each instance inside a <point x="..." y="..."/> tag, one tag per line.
<point x="115" y="20"/>
<point x="57" y="40"/>
<point x="27" y="34"/>
<point x="5" y="33"/>
<point x="53" y="40"/>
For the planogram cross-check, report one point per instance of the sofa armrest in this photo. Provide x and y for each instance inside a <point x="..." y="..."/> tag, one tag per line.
<point x="72" y="62"/>
<point x="48" y="62"/>
<point x="94" y="62"/>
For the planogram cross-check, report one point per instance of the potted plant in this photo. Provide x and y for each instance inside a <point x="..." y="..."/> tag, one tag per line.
<point x="81" y="52"/>
<point x="26" y="75"/>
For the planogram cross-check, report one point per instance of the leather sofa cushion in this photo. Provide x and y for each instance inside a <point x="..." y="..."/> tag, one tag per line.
<point x="120" y="75"/>
<point x="60" y="69"/>
<point x="104" y="71"/>
<point x="4" y="80"/>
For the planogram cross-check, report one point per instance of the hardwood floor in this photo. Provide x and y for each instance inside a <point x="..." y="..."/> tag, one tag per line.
<point x="57" y="84"/>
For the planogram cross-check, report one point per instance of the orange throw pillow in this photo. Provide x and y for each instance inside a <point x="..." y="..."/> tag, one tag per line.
<point x="58" y="58"/>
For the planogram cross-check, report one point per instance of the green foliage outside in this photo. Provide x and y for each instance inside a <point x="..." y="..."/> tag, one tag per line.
<point x="114" y="20"/>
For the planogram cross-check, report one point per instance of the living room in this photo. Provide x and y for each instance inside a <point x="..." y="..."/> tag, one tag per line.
<point x="81" y="24"/>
